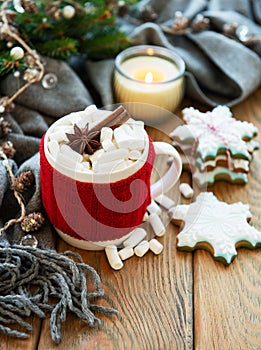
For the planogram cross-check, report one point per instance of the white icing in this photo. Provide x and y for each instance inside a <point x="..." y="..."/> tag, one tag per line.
<point x="215" y="130"/>
<point x="220" y="224"/>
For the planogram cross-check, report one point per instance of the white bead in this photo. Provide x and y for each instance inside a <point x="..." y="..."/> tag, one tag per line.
<point x="137" y="235"/>
<point x="2" y="109"/>
<point x="17" y="74"/>
<point x="68" y="12"/>
<point x="186" y="190"/>
<point x="17" y="53"/>
<point x="157" y="225"/>
<point x="165" y="201"/>
<point x="153" y="208"/>
<point x="126" y="253"/>
<point x="113" y="257"/>
<point x="155" y="246"/>
<point x="142" y="248"/>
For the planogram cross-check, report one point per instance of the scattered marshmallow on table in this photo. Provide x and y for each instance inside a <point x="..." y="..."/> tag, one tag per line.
<point x="137" y="235"/>
<point x="155" y="246"/>
<point x="145" y="217"/>
<point x="142" y="248"/>
<point x="157" y="225"/>
<point x="126" y="253"/>
<point x="165" y="201"/>
<point x="113" y="257"/>
<point x="153" y="208"/>
<point x="186" y="190"/>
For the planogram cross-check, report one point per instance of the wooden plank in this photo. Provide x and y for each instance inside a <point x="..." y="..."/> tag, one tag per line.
<point x="153" y="295"/>
<point x="227" y="300"/>
<point x="8" y="343"/>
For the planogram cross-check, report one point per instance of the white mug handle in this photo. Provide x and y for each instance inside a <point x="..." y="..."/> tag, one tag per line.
<point x="169" y="179"/>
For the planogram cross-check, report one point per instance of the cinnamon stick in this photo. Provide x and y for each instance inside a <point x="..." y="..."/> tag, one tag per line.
<point x="117" y="117"/>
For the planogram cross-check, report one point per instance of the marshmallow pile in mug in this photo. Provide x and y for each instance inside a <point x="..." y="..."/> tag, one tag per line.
<point x="119" y="147"/>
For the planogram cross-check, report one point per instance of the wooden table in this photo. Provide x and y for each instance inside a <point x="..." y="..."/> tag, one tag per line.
<point x="177" y="300"/>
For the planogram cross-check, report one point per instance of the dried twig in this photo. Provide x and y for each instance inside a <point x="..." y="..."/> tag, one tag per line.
<point x="17" y="195"/>
<point x="7" y="31"/>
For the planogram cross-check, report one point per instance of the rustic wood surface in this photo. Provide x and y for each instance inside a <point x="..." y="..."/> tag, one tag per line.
<point x="177" y="300"/>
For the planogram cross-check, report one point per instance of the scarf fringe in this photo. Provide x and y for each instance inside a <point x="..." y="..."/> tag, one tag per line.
<point x="36" y="281"/>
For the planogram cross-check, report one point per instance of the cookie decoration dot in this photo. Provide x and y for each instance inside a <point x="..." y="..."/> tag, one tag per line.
<point x="215" y="226"/>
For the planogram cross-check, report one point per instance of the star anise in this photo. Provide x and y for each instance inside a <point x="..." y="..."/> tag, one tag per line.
<point x="84" y="140"/>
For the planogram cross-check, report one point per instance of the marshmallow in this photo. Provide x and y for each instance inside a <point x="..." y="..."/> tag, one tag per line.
<point x="79" y="167"/>
<point x="113" y="257"/>
<point x="155" y="246"/>
<point x="66" y="160"/>
<point x="106" y="134"/>
<point x="53" y="147"/>
<point x="74" y="117"/>
<point x="96" y="155"/>
<point x="58" y="136"/>
<point x="100" y="167"/>
<point x="66" y="150"/>
<point x="157" y="225"/>
<point x="186" y="190"/>
<point x="153" y="208"/>
<point x="86" y="166"/>
<point x="142" y="248"/>
<point x="134" y="154"/>
<point x="63" y="128"/>
<point x="126" y="253"/>
<point x="145" y="217"/>
<point x="113" y="155"/>
<point x="108" y="145"/>
<point x="90" y="109"/>
<point x="123" y="135"/>
<point x="165" y="201"/>
<point x="137" y="235"/>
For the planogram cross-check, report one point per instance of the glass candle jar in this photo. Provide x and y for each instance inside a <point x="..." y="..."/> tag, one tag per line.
<point x="149" y="74"/>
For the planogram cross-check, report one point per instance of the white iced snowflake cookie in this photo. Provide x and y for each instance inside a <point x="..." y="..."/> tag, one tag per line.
<point x="215" y="132"/>
<point x="216" y="226"/>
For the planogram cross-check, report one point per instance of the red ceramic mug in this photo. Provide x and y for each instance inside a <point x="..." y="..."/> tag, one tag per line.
<point x="92" y="210"/>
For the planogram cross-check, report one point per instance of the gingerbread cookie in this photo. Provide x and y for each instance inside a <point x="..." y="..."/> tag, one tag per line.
<point x="216" y="226"/>
<point x="215" y="146"/>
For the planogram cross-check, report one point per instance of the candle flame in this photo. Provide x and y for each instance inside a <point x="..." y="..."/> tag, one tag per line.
<point x="149" y="77"/>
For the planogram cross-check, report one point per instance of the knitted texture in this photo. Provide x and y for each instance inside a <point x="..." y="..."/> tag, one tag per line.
<point x="29" y="277"/>
<point x="95" y="212"/>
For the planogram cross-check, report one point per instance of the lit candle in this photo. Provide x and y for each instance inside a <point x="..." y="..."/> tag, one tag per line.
<point x="149" y="74"/>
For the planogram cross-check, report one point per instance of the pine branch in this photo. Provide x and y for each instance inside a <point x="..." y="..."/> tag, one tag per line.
<point x="62" y="48"/>
<point x="106" y="46"/>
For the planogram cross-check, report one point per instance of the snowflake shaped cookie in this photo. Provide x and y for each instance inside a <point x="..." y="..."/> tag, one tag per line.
<point x="215" y="226"/>
<point x="215" y="132"/>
